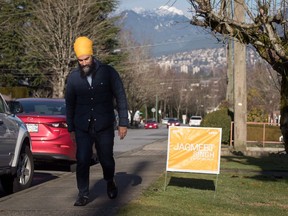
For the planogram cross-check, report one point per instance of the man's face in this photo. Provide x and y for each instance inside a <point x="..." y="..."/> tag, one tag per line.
<point x="85" y="62"/>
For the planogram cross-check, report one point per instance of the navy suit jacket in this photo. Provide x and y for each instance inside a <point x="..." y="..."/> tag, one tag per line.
<point x="85" y="103"/>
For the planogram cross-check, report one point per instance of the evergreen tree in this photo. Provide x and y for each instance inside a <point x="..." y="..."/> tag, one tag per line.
<point x="12" y="17"/>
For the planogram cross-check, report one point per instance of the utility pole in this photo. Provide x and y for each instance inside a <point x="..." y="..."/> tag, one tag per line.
<point x="240" y="89"/>
<point x="230" y="75"/>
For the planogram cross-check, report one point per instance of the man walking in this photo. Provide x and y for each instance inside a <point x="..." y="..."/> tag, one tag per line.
<point x="90" y="93"/>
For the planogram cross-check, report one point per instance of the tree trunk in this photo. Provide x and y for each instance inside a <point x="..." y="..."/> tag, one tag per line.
<point x="58" y="87"/>
<point x="284" y="110"/>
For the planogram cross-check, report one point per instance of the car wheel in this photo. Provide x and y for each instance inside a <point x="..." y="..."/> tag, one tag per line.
<point x="23" y="177"/>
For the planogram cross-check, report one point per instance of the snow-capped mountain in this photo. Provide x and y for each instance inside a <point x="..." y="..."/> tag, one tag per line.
<point x="166" y="10"/>
<point x="166" y="30"/>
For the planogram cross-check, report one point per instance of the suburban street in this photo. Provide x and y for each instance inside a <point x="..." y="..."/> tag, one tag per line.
<point x="135" y="139"/>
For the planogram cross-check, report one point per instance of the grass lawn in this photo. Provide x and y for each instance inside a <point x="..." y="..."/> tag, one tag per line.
<point x="245" y="186"/>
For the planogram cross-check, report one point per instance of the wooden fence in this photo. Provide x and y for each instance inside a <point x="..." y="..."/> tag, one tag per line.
<point x="260" y="134"/>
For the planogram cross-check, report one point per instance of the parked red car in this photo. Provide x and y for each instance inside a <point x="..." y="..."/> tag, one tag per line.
<point x="151" y="124"/>
<point x="45" y="119"/>
<point x="173" y="122"/>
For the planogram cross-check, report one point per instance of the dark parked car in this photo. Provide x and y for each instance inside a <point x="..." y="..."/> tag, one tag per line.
<point x="151" y="124"/>
<point x="173" y="122"/>
<point x="16" y="160"/>
<point x="45" y="119"/>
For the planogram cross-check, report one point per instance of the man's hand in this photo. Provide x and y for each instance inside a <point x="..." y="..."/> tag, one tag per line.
<point x="122" y="131"/>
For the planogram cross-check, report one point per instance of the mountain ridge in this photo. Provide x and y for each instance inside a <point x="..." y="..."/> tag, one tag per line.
<point x="166" y="31"/>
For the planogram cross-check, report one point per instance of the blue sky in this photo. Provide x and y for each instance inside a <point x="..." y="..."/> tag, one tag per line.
<point x="152" y="4"/>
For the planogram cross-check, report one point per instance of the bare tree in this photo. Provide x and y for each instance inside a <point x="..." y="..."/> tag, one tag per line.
<point x="265" y="28"/>
<point x="52" y="29"/>
<point x="163" y="84"/>
<point x="138" y="75"/>
<point x="175" y="92"/>
<point x="263" y="89"/>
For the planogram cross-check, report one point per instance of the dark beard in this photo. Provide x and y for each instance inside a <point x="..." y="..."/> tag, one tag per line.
<point x="87" y="70"/>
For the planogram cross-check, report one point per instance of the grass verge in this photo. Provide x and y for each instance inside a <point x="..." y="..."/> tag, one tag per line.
<point x="245" y="186"/>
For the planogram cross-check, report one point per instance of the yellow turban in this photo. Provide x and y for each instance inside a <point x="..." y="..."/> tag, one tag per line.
<point x="83" y="46"/>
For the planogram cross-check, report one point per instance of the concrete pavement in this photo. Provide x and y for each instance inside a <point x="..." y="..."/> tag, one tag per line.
<point x="135" y="171"/>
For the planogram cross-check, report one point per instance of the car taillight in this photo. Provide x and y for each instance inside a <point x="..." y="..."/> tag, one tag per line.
<point x="58" y="125"/>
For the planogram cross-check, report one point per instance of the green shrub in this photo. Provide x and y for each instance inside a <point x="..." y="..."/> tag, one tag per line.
<point x="219" y="119"/>
<point x="257" y="115"/>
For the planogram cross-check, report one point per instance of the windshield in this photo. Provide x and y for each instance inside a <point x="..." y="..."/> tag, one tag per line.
<point x="196" y="117"/>
<point x="52" y="107"/>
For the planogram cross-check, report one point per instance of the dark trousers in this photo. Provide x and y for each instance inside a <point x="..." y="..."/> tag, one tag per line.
<point x="104" y="142"/>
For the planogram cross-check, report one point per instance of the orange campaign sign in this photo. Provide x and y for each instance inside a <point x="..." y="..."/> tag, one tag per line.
<point x="194" y="149"/>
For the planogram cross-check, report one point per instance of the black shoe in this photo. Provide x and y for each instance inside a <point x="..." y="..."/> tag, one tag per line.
<point x="112" y="190"/>
<point x="81" y="201"/>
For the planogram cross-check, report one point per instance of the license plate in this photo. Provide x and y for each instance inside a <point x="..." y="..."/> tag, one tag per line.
<point x="32" y="127"/>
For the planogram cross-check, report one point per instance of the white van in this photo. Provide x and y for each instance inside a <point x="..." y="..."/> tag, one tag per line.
<point x="195" y="121"/>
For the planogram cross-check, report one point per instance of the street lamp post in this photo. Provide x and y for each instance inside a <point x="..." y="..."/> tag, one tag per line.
<point x="156" y="108"/>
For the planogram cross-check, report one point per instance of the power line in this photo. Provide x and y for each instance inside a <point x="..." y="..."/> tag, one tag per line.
<point x="126" y="48"/>
<point x="59" y="9"/>
<point x="123" y="48"/>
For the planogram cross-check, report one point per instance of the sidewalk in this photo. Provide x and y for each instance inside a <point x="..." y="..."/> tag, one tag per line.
<point x="135" y="171"/>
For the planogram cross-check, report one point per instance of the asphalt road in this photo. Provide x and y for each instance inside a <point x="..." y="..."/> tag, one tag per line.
<point x="136" y="138"/>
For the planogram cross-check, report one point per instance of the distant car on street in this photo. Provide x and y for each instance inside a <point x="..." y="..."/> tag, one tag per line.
<point x="45" y="119"/>
<point x="151" y="124"/>
<point x="164" y="121"/>
<point x="173" y="122"/>
<point x="195" y="121"/>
